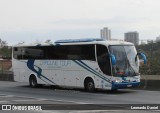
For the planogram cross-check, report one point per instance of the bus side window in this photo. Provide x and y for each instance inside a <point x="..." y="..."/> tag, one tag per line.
<point x="103" y="59"/>
<point x="17" y="54"/>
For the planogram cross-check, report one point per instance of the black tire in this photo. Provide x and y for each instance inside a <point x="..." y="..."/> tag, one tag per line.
<point x="114" y="91"/>
<point x="33" y="82"/>
<point x="89" y="85"/>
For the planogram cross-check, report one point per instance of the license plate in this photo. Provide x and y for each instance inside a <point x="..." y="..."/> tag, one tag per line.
<point x="129" y="85"/>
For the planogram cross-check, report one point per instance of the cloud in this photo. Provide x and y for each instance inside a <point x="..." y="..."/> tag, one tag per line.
<point x="48" y="17"/>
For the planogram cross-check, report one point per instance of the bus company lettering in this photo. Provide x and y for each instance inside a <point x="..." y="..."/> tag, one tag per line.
<point x="56" y="63"/>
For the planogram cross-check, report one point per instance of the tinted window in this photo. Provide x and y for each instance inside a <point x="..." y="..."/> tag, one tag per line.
<point x="79" y="52"/>
<point x="66" y="52"/>
<point x="103" y="59"/>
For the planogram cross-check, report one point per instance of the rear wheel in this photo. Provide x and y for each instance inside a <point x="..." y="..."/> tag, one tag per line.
<point x="89" y="85"/>
<point x="33" y="82"/>
<point x="114" y="90"/>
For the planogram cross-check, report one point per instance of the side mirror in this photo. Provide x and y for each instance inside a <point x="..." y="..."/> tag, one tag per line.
<point x="113" y="59"/>
<point x="143" y="56"/>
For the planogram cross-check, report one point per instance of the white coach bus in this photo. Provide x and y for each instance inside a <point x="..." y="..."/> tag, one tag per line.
<point x="86" y="63"/>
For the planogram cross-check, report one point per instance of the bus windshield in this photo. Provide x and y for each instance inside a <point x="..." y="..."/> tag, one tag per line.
<point x="126" y="61"/>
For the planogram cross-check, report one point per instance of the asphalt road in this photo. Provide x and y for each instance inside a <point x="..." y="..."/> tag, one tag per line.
<point x="21" y="93"/>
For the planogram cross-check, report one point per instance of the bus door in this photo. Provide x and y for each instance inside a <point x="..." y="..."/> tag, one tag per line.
<point x="103" y="59"/>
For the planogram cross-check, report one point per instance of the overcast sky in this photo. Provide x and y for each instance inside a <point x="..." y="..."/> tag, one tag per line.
<point x="31" y="20"/>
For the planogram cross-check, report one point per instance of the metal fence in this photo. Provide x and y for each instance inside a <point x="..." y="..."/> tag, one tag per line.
<point x="6" y="76"/>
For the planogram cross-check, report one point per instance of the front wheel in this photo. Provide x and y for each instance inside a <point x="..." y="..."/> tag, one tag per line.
<point x="33" y="82"/>
<point x="89" y="85"/>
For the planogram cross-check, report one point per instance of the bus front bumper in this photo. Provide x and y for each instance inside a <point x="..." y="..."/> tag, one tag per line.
<point x="124" y="85"/>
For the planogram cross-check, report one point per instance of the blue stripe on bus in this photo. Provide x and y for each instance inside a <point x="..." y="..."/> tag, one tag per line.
<point x="79" y="40"/>
<point x="124" y="85"/>
<point x="80" y="63"/>
<point x="94" y="70"/>
<point x="30" y="65"/>
<point x="37" y="76"/>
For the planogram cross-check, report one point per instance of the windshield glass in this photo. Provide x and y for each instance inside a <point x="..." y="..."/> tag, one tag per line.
<point x="126" y="61"/>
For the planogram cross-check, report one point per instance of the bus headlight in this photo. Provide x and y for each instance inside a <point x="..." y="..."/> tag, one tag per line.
<point x="117" y="81"/>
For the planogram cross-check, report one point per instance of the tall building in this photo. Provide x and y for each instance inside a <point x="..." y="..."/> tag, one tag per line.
<point x="132" y="37"/>
<point x="158" y="39"/>
<point x="105" y="33"/>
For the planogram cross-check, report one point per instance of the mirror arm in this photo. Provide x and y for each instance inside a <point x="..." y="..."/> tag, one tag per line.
<point x="144" y="57"/>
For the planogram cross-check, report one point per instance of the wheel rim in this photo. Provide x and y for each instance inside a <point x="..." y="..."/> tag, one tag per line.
<point x="33" y="82"/>
<point x="90" y="86"/>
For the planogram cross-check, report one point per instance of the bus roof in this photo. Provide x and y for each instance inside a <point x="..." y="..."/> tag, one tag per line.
<point x="77" y="41"/>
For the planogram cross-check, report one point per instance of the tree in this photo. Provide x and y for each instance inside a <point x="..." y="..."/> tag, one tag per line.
<point x="152" y="51"/>
<point x="5" y="51"/>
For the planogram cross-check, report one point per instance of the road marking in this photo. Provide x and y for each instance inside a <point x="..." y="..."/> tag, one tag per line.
<point x="63" y="101"/>
<point x="53" y="111"/>
<point x="95" y="111"/>
<point x="3" y="101"/>
<point x="23" y="100"/>
<point x="74" y="91"/>
<point x="6" y="96"/>
<point x="98" y="94"/>
<point x="44" y="99"/>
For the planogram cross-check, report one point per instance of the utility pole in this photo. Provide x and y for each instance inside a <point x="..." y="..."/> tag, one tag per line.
<point x="151" y="51"/>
